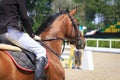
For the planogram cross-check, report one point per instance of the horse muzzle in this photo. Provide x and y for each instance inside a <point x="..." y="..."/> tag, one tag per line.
<point x="80" y="44"/>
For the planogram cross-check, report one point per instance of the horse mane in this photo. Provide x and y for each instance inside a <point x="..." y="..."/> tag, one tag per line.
<point x="50" y="19"/>
<point x="47" y="22"/>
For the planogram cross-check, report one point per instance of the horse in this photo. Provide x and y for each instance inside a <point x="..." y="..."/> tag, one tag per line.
<point x="54" y="31"/>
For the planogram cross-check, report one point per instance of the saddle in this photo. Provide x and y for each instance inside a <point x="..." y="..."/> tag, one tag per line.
<point x="22" y="58"/>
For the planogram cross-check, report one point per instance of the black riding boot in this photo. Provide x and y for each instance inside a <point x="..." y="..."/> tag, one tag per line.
<point x="40" y="64"/>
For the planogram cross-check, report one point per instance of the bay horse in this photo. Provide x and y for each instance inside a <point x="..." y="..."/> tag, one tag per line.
<point x="57" y="28"/>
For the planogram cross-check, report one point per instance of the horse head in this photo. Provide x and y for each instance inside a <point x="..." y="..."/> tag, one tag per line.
<point x="75" y="35"/>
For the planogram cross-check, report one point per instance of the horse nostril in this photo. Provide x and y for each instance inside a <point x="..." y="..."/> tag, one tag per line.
<point x="80" y="45"/>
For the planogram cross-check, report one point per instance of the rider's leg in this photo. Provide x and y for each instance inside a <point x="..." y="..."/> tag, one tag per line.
<point x="25" y="41"/>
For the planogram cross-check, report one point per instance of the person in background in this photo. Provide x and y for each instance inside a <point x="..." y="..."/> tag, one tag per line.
<point x="11" y="11"/>
<point x="78" y="56"/>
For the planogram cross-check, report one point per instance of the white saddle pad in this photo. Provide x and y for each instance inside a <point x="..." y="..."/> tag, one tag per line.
<point x="9" y="47"/>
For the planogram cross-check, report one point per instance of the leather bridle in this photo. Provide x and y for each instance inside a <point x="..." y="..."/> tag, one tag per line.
<point x="63" y="39"/>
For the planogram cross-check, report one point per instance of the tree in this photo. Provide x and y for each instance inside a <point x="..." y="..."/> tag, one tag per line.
<point x="87" y="9"/>
<point x="38" y="10"/>
<point x="108" y="9"/>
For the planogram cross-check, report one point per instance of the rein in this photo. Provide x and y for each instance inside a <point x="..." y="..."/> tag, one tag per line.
<point x="52" y="49"/>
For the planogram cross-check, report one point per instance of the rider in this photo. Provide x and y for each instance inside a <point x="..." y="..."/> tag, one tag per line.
<point x="10" y="13"/>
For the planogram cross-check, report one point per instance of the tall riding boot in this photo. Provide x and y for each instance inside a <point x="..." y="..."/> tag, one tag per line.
<point x="40" y="64"/>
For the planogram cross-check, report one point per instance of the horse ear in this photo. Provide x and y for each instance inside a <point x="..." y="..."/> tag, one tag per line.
<point x="73" y="11"/>
<point x="60" y="9"/>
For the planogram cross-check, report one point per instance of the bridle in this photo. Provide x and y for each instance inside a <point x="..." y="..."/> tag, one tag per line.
<point x="75" y="26"/>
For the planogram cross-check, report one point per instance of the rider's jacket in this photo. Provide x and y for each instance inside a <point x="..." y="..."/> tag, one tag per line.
<point x="11" y="12"/>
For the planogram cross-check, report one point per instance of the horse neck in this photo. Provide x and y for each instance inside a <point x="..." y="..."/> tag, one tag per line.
<point x="59" y="29"/>
<point x="53" y="32"/>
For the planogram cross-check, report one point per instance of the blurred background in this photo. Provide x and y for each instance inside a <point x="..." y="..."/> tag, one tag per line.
<point x="100" y="15"/>
<point x="99" y="21"/>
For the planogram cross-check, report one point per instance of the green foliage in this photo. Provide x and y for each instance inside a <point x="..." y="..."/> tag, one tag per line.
<point x="90" y="25"/>
<point x="115" y="44"/>
<point x="107" y="8"/>
<point x="103" y="44"/>
<point x="38" y="9"/>
<point x="63" y="4"/>
<point x="92" y="43"/>
<point x="77" y="1"/>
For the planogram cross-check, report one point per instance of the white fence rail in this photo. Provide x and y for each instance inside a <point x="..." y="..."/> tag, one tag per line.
<point x="103" y="49"/>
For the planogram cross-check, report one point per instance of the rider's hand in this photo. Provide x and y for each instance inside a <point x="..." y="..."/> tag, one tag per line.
<point x="36" y="38"/>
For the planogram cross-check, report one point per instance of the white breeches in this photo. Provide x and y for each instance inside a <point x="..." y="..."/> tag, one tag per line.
<point x="25" y="41"/>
